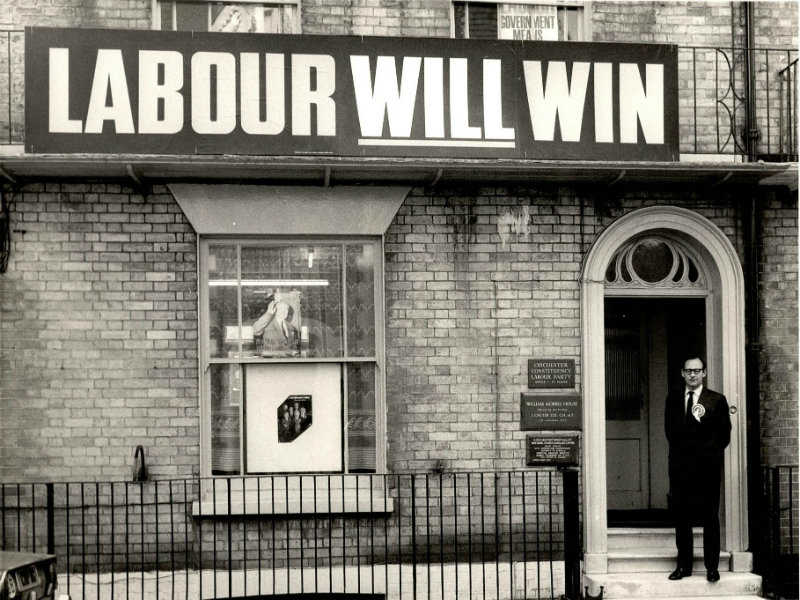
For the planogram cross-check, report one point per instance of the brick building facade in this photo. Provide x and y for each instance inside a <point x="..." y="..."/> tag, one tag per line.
<point x="104" y="335"/>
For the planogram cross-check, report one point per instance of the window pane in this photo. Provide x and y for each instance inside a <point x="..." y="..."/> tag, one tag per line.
<point x="290" y="290"/>
<point x="361" y="417"/>
<point x="459" y="19"/>
<point x="574" y="25"/>
<point x="166" y="16"/>
<point x="223" y="320"/>
<point x="192" y="16"/>
<point x="226" y="395"/>
<point x="482" y="21"/>
<point x="273" y="20"/>
<point x="361" y="299"/>
<point x="242" y="18"/>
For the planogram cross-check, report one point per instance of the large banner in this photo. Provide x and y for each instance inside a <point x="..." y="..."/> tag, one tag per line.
<point x="152" y="92"/>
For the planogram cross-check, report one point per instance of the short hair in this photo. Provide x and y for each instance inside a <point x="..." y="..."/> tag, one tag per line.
<point x="688" y="358"/>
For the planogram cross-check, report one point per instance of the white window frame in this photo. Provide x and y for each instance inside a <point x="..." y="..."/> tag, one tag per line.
<point x="378" y="360"/>
<point x="155" y="10"/>
<point x="586" y="5"/>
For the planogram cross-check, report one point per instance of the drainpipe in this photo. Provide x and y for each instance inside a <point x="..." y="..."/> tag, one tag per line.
<point x="751" y="129"/>
<point x="751" y="218"/>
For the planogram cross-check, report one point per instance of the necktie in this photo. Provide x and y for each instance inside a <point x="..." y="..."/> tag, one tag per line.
<point x="689" y="402"/>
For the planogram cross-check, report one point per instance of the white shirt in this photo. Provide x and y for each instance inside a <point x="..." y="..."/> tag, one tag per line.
<point x="696" y="397"/>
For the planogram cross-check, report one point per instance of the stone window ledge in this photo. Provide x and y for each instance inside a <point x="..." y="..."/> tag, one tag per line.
<point x="291" y="495"/>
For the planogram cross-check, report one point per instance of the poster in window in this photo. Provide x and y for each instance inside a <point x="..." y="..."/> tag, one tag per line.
<point x="316" y="444"/>
<point x="293" y="418"/>
<point x="236" y="18"/>
<point x="527" y="22"/>
<point x="277" y="330"/>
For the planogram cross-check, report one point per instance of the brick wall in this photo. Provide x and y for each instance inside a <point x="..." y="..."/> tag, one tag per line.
<point x="98" y="336"/>
<point x="131" y="14"/>
<point x="478" y="282"/>
<point x="778" y="323"/>
<point x="682" y="23"/>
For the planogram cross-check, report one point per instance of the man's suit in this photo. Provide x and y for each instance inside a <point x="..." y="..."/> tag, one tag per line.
<point x="695" y="463"/>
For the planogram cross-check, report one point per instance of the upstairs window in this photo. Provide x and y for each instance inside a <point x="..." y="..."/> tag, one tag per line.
<point x="553" y="20"/>
<point x="233" y="17"/>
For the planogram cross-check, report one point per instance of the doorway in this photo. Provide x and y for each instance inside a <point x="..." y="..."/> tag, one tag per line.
<point x="646" y="341"/>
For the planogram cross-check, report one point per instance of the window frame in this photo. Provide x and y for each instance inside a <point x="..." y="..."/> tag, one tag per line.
<point x="586" y="5"/>
<point x="155" y="10"/>
<point x="205" y="360"/>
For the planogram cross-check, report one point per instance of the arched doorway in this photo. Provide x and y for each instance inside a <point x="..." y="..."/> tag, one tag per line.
<point x="723" y="294"/>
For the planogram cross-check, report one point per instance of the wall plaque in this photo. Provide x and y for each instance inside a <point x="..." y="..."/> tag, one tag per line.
<point x="551" y="373"/>
<point x="549" y="411"/>
<point x="559" y="451"/>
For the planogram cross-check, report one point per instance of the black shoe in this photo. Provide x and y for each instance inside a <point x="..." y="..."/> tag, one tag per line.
<point x="712" y="575"/>
<point x="679" y="574"/>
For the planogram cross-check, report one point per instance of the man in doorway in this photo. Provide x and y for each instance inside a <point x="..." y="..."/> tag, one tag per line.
<point x="698" y="428"/>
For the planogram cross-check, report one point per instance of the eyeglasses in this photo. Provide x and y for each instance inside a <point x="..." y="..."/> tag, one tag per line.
<point x="693" y="371"/>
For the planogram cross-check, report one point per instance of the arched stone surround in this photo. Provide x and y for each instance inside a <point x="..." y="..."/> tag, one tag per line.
<point x="726" y="356"/>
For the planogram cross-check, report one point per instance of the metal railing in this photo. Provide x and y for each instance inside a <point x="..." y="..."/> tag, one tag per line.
<point x="788" y="110"/>
<point x="440" y="535"/>
<point x="777" y="549"/>
<point x="711" y="95"/>
<point x="713" y="102"/>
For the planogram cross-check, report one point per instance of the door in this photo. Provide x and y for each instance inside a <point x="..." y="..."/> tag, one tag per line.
<point x="626" y="409"/>
<point x="646" y="340"/>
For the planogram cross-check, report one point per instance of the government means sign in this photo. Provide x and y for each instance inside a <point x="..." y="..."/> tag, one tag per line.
<point x="151" y="92"/>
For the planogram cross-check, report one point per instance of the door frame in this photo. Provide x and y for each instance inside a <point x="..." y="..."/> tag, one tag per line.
<point x="725" y="320"/>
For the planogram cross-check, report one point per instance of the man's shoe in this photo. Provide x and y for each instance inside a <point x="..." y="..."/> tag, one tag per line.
<point x="712" y="575"/>
<point x="679" y="574"/>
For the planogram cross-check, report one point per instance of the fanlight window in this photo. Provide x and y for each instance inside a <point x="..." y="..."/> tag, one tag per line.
<point x="653" y="262"/>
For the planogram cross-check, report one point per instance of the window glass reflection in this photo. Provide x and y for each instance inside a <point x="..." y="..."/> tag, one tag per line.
<point x="360" y="299"/>
<point x="226" y="397"/>
<point x="223" y="319"/>
<point x="290" y="293"/>
<point x="361" y="418"/>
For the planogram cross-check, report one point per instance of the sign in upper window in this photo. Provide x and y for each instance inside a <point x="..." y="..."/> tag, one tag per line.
<point x="232" y="17"/>
<point x="521" y="20"/>
<point x="148" y="92"/>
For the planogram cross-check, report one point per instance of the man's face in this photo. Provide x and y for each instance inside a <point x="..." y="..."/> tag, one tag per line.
<point x="693" y="373"/>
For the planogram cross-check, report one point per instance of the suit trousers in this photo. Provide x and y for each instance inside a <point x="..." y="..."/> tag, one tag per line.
<point x="694" y="490"/>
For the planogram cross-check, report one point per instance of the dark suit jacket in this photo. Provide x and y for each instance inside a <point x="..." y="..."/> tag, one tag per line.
<point x="690" y="439"/>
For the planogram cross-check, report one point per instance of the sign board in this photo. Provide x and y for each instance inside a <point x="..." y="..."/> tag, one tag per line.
<point x="559" y="451"/>
<point x="548" y="412"/>
<point x="180" y="92"/>
<point x="527" y="22"/>
<point x="544" y="373"/>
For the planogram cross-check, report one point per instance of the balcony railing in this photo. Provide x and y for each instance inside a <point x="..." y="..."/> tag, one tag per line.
<point x="435" y="536"/>
<point x="711" y="91"/>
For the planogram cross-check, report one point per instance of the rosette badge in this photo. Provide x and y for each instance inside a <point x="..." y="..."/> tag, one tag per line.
<point x="698" y="410"/>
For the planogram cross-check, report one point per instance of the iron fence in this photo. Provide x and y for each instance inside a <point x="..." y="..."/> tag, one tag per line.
<point x="441" y="535"/>
<point x="712" y="97"/>
<point x="777" y="554"/>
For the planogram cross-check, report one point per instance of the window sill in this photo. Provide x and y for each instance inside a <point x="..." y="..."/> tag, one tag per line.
<point x="283" y="496"/>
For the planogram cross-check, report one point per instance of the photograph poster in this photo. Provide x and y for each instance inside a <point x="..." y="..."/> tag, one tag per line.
<point x="294" y="389"/>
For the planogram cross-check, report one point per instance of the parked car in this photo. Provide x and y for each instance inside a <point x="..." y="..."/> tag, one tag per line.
<point x="27" y="576"/>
